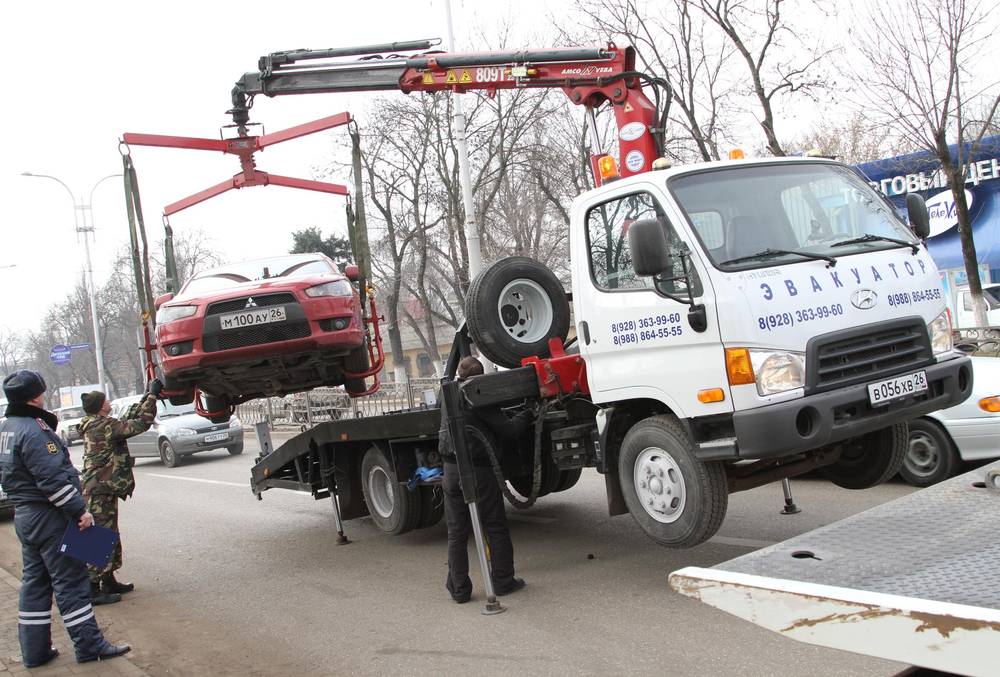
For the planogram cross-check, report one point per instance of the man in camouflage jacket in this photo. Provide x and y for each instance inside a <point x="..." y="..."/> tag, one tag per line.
<point x="107" y="475"/>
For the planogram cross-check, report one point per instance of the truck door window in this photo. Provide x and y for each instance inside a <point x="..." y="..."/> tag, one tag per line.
<point x="607" y="239"/>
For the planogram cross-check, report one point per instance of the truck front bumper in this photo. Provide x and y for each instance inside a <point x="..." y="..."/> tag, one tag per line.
<point x="818" y="420"/>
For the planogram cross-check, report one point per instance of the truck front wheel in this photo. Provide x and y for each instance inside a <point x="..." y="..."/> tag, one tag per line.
<point x="677" y="500"/>
<point x="871" y="459"/>
<point x="394" y="508"/>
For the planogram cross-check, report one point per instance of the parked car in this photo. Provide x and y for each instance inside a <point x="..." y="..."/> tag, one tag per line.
<point x="265" y="327"/>
<point x="970" y="431"/>
<point x="178" y="431"/>
<point x="964" y="314"/>
<point x="69" y="424"/>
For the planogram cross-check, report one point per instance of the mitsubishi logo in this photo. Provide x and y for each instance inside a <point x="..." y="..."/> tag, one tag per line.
<point x="864" y="299"/>
<point x="251" y="304"/>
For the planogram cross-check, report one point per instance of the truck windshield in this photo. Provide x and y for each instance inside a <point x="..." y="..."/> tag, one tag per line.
<point x="758" y="215"/>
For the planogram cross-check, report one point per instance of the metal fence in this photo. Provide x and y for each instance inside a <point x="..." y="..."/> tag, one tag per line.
<point x="305" y="410"/>
<point x="978" y="340"/>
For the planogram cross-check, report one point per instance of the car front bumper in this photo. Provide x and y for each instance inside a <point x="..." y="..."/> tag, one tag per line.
<point x="191" y="444"/>
<point x="821" y="419"/>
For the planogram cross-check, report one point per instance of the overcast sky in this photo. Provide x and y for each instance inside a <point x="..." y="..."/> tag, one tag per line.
<point x="79" y="74"/>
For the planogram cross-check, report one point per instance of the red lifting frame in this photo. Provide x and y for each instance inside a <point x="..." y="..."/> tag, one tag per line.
<point x="244" y="147"/>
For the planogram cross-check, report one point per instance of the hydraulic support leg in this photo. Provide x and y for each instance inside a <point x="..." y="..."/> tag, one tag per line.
<point x="790" y="507"/>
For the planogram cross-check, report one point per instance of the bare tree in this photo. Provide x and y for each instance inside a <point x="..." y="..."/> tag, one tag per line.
<point x="12" y="351"/>
<point x="856" y="140"/>
<point x="916" y="80"/>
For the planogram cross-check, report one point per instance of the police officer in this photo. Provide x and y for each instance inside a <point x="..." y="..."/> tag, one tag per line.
<point x="37" y="474"/>
<point x="107" y="475"/>
<point x="483" y="428"/>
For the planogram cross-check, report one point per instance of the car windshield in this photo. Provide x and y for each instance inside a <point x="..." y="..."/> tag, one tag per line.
<point x="758" y="215"/>
<point x="251" y="271"/>
<point x="992" y="295"/>
<point x="71" y="412"/>
<point x="167" y="410"/>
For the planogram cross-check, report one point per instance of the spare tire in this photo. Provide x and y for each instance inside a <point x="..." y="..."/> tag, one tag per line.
<point x="513" y="308"/>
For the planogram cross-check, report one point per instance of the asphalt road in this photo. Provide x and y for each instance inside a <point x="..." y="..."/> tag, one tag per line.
<point x="227" y="585"/>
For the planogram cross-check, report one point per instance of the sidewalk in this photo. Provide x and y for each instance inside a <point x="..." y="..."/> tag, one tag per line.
<point x="63" y="666"/>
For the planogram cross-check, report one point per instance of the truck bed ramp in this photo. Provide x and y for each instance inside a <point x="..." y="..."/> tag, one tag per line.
<point x="916" y="580"/>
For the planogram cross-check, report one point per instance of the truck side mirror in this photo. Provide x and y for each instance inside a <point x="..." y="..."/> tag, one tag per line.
<point x="161" y="299"/>
<point x="647" y="241"/>
<point x="920" y="220"/>
<point x="351" y="271"/>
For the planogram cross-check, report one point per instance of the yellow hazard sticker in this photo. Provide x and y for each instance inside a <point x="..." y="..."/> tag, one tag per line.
<point x="452" y="78"/>
<point x="51" y="446"/>
<point x="628" y="107"/>
<point x="428" y="78"/>
<point x="466" y="76"/>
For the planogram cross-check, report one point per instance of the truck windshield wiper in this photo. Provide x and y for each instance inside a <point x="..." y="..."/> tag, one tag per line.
<point x="868" y="237"/>
<point x="772" y="253"/>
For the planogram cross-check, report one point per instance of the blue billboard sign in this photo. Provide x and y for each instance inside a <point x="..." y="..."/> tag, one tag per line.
<point x="60" y="354"/>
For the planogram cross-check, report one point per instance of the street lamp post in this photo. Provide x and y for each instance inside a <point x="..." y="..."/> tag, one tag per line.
<point x="80" y="224"/>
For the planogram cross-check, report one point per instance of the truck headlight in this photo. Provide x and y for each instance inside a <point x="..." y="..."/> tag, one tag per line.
<point x="170" y="313"/>
<point x="335" y="288"/>
<point x="940" y="332"/>
<point x="778" y="371"/>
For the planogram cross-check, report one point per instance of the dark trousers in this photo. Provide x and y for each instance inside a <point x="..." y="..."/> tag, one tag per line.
<point x="40" y="530"/>
<point x="495" y="531"/>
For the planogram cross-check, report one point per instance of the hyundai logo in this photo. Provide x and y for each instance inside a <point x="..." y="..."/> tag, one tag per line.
<point x="251" y="304"/>
<point x="864" y="299"/>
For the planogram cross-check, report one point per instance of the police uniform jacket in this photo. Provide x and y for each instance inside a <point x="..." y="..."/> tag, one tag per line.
<point x="35" y="468"/>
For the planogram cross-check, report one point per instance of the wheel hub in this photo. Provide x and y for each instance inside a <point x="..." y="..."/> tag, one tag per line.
<point x="659" y="485"/>
<point x="525" y="310"/>
<point x="923" y="455"/>
<point x="380" y="490"/>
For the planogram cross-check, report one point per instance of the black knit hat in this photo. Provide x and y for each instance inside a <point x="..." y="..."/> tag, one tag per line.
<point x="23" y="385"/>
<point x="92" y="402"/>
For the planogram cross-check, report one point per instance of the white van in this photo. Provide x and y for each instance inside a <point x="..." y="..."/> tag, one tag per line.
<point x="964" y="315"/>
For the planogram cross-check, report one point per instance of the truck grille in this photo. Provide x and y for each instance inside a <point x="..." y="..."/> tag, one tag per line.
<point x="865" y="353"/>
<point x="253" y="336"/>
<point x="259" y="301"/>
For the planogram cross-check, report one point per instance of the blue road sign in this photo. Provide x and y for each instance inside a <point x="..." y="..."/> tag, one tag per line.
<point x="60" y="354"/>
<point x="80" y="346"/>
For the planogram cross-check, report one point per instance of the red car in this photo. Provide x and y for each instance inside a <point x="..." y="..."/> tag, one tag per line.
<point x="266" y="327"/>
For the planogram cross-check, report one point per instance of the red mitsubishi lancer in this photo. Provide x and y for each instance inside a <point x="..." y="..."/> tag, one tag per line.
<point x="265" y="327"/>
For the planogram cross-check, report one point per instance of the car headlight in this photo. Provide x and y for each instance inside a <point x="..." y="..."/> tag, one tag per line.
<point x="186" y="432"/>
<point x="170" y="313"/>
<point x="235" y="423"/>
<point x="335" y="288"/>
<point x="940" y="333"/>
<point x="778" y="371"/>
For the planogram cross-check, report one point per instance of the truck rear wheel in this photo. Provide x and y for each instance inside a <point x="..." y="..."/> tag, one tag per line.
<point x="869" y="460"/>
<point x="513" y="308"/>
<point x="568" y="479"/>
<point x="394" y="508"/>
<point x="677" y="500"/>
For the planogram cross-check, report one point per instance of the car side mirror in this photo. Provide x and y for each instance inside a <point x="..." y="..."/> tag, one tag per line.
<point x="351" y="271"/>
<point x="161" y="299"/>
<point x="920" y="220"/>
<point x="647" y="241"/>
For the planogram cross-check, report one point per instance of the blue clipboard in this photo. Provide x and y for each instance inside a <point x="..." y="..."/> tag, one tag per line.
<point x="93" y="546"/>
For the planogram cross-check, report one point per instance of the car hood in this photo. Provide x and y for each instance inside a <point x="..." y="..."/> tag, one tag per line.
<point x="193" y="421"/>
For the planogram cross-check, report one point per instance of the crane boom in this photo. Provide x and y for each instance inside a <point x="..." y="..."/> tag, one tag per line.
<point x="590" y="77"/>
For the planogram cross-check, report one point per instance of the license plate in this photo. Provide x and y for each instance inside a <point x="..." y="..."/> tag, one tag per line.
<point x="891" y="389"/>
<point x="250" y="318"/>
<point x="216" y="437"/>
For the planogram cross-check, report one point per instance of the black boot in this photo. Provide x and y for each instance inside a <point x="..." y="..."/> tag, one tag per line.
<point x="99" y="596"/>
<point x="108" y="652"/>
<point x="112" y="586"/>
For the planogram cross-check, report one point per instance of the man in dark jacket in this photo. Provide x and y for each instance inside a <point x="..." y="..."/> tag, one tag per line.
<point x="482" y="431"/>
<point x="107" y="475"/>
<point x="37" y="474"/>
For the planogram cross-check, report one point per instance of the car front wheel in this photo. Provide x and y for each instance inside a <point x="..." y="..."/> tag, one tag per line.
<point x="930" y="455"/>
<point x="168" y="455"/>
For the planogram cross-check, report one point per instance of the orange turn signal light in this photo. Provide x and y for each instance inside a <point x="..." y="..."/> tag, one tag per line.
<point x="608" y="168"/>
<point x="711" y="395"/>
<point x="738" y="367"/>
<point x="990" y="404"/>
<point x="736" y="154"/>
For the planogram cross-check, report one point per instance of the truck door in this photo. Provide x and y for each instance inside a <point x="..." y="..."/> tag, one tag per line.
<point x="637" y="341"/>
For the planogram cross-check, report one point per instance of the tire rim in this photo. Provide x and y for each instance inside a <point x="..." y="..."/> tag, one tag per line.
<point x="168" y="453"/>
<point x="380" y="490"/>
<point x="525" y="311"/>
<point x="659" y="485"/>
<point x="923" y="455"/>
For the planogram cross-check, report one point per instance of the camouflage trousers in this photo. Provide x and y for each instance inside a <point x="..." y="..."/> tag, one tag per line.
<point x="104" y="508"/>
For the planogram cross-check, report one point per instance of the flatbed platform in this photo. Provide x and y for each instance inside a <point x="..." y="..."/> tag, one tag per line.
<point x="916" y="580"/>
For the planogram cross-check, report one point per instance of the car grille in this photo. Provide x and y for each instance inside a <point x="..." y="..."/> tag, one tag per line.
<point x="240" y="304"/>
<point x="253" y="336"/>
<point x="864" y="353"/>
